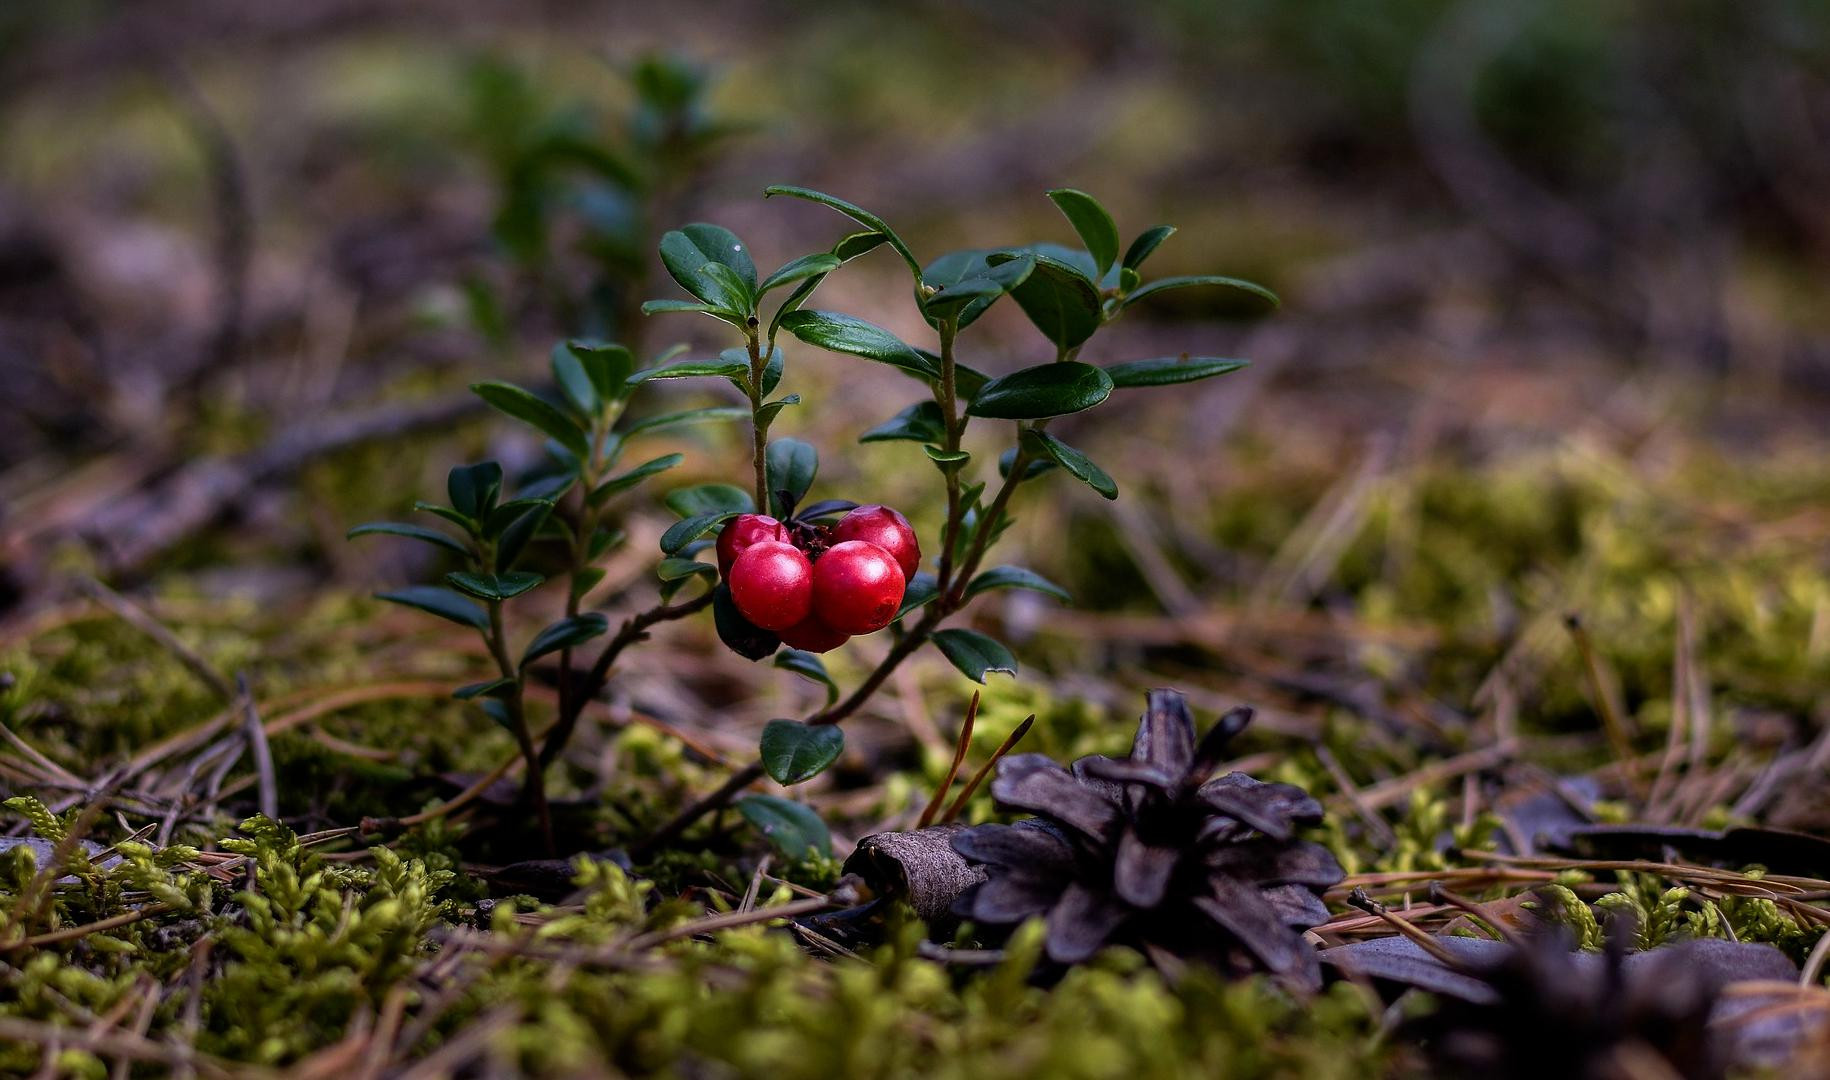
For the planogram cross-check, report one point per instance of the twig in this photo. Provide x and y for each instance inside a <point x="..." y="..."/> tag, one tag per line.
<point x="137" y="617"/>
<point x="1005" y="747"/>
<point x="959" y="758"/>
<point x="1600" y="686"/>
<point x="263" y="754"/>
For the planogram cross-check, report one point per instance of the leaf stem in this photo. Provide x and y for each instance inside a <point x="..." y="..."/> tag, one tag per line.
<point x="949" y="412"/>
<point x="534" y="790"/>
<point x="759" y="431"/>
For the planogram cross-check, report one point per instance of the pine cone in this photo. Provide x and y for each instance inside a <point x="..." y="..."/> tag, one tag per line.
<point x="1147" y="851"/>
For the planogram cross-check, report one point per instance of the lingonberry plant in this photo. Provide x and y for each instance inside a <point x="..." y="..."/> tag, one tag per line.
<point x="810" y="576"/>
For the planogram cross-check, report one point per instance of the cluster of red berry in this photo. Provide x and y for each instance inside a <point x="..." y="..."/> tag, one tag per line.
<point x="817" y="585"/>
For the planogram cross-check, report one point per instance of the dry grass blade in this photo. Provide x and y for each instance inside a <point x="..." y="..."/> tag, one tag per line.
<point x="960" y="746"/>
<point x="965" y="795"/>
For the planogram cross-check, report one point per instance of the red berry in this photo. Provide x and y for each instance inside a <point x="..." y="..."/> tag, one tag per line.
<point x="887" y="529"/>
<point x="813" y="635"/>
<point x="857" y="587"/>
<point x="742" y="531"/>
<point x="772" y="584"/>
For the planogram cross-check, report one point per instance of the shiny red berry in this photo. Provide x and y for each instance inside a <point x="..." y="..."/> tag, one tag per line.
<point x="812" y="635"/>
<point x="742" y="531"/>
<point x="887" y="529"/>
<point x="772" y="584"/>
<point x="857" y="587"/>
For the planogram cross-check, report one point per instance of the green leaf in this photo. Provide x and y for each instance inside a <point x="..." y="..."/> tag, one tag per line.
<point x="691" y="252"/>
<point x="1042" y="391"/>
<point x="808" y="666"/>
<point x="693" y="369"/>
<point x="855" y="337"/>
<point x="1016" y="577"/>
<point x="508" y="513"/>
<point x="1060" y="300"/>
<point x="1042" y="444"/>
<point x="574" y="382"/>
<point x="920" y="422"/>
<point x="709" y="499"/>
<point x="607" y="365"/>
<point x="1095" y="226"/>
<point x="739" y="634"/>
<point x="1168" y="370"/>
<point x="793" y="828"/>
<point x="856" y="213"/>
<point x="689" y="416"/>
<point x="565" y="634"/>
<point x="469" y="525"/>
<point x="666" y="307"/>
<point x="1032" y="470"/>
<point x="441" y="602"/>
<point x="974" y="653"/>
<point x="1202" y="281"/>
<point x="766" y="415"/>
<point x="583" y="581"/>
<point x="504" y="586"/>
<point x="415" y="532"/>
<point x="535" y="412"/>
<point x="495" y="688"/>
<point x="772" y="368"/>
<point x="682" y="533"/>
<point x="825" y="508"/>
<point x="969" y="284"/>
<point x="1146" y="242"/>
<point x="679" y="568"/>
<point x="948" y="460"/>
<point x="793" y="752"/>
<point x="624" y="481"/>
<point x="922" y="589"/>
<point x="473" y="488"/>
<point x="820" y="262"/>
<point x="792" y="465"/>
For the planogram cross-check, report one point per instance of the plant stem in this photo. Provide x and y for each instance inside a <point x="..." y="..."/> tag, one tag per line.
<point x="949" y="409"/>
<point x="759" y="432"/>
<point x="634" y="629"/>
<point x="534" y="789"/>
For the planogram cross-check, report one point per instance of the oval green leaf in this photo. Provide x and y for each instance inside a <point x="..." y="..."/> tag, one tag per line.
<point x="1169" y="370"/>
<point x="1042" y="391"/>
<point x="974" y="654"/>
<point x="855" y="337"/>
<point x="1042" y="444"/>
<point x="1096" y="228"/>
<point x="793" y="828"/>
<point x="793" y="752"/>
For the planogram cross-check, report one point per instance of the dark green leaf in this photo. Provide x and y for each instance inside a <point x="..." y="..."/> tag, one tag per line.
<point x="693" y="369"/>
<point x="602" y="540"/>
<point x="948" y="460"/>
<point x="1202" y="280"/>
<point x="1146" y="242"/>
<point x="473" y="488"/>
<point x="1095" y="226"/>
<point x="808" y="666"/>
<point x="793" y="828"/>
<point x="607" y="365"/>
<point x="503" y="586"/>
<point x="974" y="653"/>
<point x="766" y="415"/>
<point x="793" y="752"/>
<point x="855" y="244"/>
<point x="969" y="284"/>
<point x="551" y="486"/>
<point x="739" y="634"/>
<point x="682" y="533"/>
<point x="920" y="422"/>
<point x="574" y="382"/>
<point x="525" y="407"/>
<point x="1042" y="444"/>
<point x="416" y="532"/>
<point x="855" y="337"/>
<point x="679" y="568"/>
<point x="688" y="253"/>
<point x="922" y="589"/>
<point x="469" y="525"/>
<point x="495" y="688"/>
<point x="1058" y="297"/>
<point x="441" y="602"/>
<point x="709" y="499"/>
<point x="825" y="508"/>
<point x="624" y="481"/>
<point x="856" y="213"/>
<point x="1042" y="391"/>
<point x="689" y="416"/>
<point x="665" y="307"/>
<point x="1167" y="370"/>
<point x="1035" y="468"/>
<point x="806" y="266"/>
<point x="1016" y="577"/>
<point x="583" y="581"/>
<point x="792" y="465"/>
<point x="565" y="634"/>
<point x="509" y="512"/>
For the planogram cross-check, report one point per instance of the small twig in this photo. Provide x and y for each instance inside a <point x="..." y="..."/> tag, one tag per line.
<point x="1440" y="895"/>
<point x="1814" y="964"/>
<point x="1612" y="722"/>
<point x="140" y="619"/>
<point x="978" y="777"/>
<point x="756" y="880"/>
<point x="263" y="753"/>
<point x="1381" y="831"/>
<point x="959" y="758"/>
<point x="1359" y="899"/>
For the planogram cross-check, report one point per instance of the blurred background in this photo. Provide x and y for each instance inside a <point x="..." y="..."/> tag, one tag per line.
<point x="1554" y="331"/>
